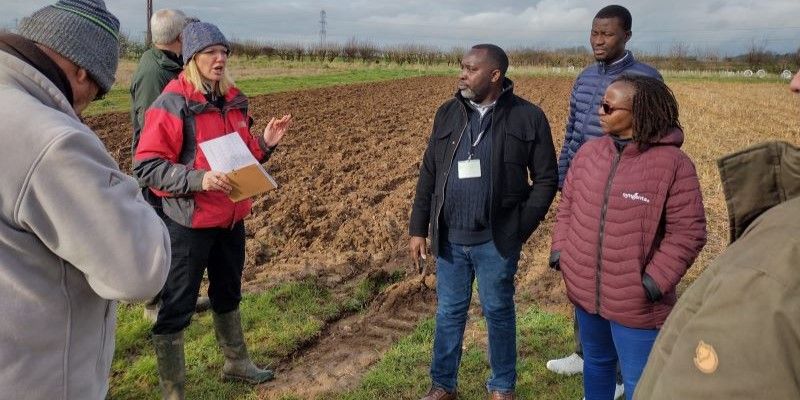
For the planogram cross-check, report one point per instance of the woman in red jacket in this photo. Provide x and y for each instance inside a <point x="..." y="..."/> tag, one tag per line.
<point x="630" y="223"/>
<point x="205" y="226"/>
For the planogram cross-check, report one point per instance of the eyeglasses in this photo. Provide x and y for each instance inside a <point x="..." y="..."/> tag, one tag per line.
<point x="609" y="109"/>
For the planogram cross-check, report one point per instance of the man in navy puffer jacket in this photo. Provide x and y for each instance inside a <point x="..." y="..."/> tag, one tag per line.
<point x="611" y="30"/>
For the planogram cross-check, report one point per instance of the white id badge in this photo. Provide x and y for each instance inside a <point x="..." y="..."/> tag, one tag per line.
<point x="469" y="169"/>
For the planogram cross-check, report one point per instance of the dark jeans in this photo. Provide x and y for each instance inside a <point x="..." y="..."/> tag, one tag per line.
<point x="456" y="268"/>
<point x="606" y="343"/>
<point x="220" y="250"/>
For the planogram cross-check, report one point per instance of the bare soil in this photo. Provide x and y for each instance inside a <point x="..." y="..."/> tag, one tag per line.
<point x="347" y="173"/>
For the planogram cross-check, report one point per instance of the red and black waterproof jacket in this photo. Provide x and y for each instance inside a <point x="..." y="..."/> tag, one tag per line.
<point x="169" y="160"/>
<point x="623" y="214"/>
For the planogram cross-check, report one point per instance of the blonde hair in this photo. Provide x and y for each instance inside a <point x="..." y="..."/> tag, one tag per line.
<point x="194" y="77"/>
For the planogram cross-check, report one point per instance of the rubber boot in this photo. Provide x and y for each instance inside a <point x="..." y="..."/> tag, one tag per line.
<point x="228" y="329"/>
<point x="171" y="369"/>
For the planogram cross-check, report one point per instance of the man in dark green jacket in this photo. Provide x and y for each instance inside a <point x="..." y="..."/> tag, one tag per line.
<point x="158" y="65"/>
<point x="735" y="333"/>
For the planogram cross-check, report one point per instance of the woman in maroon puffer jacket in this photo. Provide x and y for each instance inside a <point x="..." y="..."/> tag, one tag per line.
<point x="630" y="223"/>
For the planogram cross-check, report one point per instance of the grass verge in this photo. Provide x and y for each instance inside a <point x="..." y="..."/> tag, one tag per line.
<point x="277" y="322"/>
<point x="284" y="318"/>
<point x="403" y="371"/>
<point x="260" y="76"/>
<point x="119" y="98"/>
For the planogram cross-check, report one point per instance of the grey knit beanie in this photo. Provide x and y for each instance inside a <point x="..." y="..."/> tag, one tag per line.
<point x="83" y="31"/>
<point x="197" y="36"/>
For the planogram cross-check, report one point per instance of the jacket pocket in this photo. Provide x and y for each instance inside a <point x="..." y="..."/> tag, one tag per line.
<point x="516" y="156"/>
<point x="517" y="147"/>
<point x="440" y="146"/>
<point x="511" y="200"/>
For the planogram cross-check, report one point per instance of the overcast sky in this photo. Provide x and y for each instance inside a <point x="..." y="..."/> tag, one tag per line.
<point x="726" y="27"/>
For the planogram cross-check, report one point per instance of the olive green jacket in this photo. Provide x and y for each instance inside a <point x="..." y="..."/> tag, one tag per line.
<point x="156" y="68"/>
<point x="735" y="333"/>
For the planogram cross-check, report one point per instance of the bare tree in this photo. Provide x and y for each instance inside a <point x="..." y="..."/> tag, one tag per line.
<point x="757" y="54"/>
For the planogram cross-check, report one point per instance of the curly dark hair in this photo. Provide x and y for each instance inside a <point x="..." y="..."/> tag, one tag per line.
<point x="654" y="109"/>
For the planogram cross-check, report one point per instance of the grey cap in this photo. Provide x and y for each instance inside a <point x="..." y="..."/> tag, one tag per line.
<point x="83" y="31"/>
<point x="197" y="36"/>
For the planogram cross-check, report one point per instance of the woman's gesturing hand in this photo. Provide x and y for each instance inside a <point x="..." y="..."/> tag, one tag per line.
<point x="275" y="130"/>
<point x="216" y="180"/>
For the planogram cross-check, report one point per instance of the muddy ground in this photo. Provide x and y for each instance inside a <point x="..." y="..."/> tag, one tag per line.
<point x="347" y="173"/>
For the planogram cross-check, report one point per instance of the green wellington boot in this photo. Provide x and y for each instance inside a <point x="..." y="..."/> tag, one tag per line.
<point x="228" y="329"/>
<point x="171" y="369"/>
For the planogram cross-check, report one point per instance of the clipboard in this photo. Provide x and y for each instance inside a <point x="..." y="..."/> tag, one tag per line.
<point x="229" y="154"/>
<point x="250" y="181"/>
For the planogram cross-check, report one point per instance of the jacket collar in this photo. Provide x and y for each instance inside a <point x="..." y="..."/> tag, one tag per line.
<point x="167" y="59"/>
<point x="673" y="138"/>
<point x="756" y="179"/>
<point x="26" y="50"/>
<point x="234" y="99"/>
<point x="28" y="78"/>
<point x="617" y="66"/>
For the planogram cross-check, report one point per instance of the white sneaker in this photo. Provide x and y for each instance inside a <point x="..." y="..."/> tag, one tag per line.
<point x="619" y="390"/>
<point x="569" y="365"/>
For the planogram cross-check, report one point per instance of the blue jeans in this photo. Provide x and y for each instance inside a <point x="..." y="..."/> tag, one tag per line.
<point x="456" y="268"/>
<point x="606" y="342"/>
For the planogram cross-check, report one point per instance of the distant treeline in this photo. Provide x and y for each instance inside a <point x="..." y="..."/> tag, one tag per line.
<point x="678" y="57"/>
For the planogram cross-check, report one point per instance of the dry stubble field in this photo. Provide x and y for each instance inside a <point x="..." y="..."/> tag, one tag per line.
<point x="348" y="170"/>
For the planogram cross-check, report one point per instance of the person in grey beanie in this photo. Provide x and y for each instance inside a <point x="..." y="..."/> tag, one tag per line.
<point x="206" y="226"/>
<point x="157" y="67"/>
<point x="75" y="233"/>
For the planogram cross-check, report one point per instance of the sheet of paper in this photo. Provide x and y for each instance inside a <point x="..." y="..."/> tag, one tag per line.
<point x="227" y="153"/>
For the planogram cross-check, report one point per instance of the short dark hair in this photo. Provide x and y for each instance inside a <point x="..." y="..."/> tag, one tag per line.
<point x="615" y="11"/>
<point x="496" y="55"/>
<point x="654" y="109"/>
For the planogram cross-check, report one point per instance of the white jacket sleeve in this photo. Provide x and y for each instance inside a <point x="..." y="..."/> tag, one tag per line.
<point x="86" y="211"/>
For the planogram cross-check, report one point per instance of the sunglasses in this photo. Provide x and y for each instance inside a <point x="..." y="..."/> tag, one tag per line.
<point x="608" y="109"/>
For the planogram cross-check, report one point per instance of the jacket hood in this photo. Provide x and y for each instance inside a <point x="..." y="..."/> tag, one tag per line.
<point x="756" y="179"/>
<point x="673" y="138"/>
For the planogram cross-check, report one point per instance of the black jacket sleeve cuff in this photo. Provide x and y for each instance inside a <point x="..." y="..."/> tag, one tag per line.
<point x="555" y="260"/>
<point x="266" y="149"/>
<point x="651" y="289"/>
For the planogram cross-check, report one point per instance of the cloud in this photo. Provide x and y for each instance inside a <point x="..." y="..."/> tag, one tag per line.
<point x="730" y="26"/>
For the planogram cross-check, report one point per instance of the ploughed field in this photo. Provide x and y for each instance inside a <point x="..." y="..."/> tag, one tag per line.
<point x="347" y="171"/>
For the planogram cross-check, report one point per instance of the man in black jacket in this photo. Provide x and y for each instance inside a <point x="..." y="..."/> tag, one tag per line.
<point x="475" y="194"/>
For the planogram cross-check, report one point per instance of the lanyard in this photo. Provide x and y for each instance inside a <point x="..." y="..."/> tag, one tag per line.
<point x="474" y="142"/>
